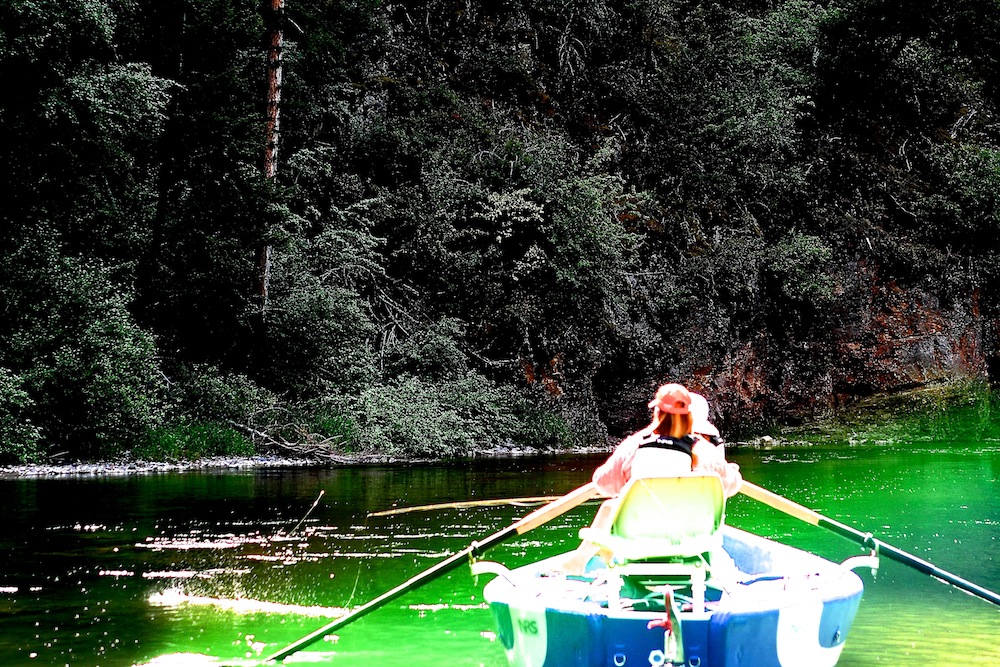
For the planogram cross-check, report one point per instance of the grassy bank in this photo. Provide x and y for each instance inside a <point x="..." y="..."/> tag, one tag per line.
<point x="960" y="409"/>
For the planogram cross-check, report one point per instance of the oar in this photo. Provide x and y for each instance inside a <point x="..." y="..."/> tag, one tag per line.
<point x="463" y="504"/>
<point x="540" y="516"/>
<point x="865" y="539"/>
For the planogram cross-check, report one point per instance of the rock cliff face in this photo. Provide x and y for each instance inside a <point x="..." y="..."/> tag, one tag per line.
<point x="882" y="337"/>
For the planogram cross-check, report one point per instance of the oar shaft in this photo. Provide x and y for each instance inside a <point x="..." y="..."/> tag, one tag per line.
<point x="444" y="566"/>
<point x="901" y="556"/>
<point x="552" y="510"/>
<point x="464" y="504"/>
<point x="537" y="518"/>
<point x="804" y="513"/>
<point x="780" y="503"/>
<point x="866" y="540"/>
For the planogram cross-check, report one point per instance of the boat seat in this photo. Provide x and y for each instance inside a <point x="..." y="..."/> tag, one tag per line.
<point x="663" y="532"/>
<point x="664" y="519"/>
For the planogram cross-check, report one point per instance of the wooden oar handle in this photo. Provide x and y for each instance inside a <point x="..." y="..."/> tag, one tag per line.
<point x="552" y="510"/>
<point x="779" y="503"/>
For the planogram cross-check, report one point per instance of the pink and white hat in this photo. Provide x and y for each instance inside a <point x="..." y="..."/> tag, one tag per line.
<point x="672" y="398"/>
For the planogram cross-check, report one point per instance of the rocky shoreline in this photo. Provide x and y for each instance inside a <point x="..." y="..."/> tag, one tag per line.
<point x="111" y="468"/>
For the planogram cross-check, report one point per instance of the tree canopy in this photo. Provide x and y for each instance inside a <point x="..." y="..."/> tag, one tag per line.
<point x="493" y="223"/>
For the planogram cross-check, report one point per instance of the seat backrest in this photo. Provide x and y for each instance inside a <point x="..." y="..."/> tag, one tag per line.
<point x="670" y="508"/>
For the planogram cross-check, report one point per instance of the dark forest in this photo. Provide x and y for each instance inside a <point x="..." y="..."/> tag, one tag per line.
<point x="485" y="225"/>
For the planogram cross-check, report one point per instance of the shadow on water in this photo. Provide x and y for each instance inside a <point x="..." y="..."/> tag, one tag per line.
<point x="201" y="567"/>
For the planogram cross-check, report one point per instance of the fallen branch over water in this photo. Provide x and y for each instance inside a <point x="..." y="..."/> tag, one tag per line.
<point x="312" y="445"/>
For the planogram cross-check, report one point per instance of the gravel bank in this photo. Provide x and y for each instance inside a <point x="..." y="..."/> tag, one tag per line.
<point x="152" y="467"/>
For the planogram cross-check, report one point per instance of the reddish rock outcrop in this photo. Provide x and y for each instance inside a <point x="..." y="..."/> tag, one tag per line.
<point x="886" y="338"/>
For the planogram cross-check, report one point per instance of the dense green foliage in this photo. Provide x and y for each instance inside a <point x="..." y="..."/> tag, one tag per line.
<point x="493" y="223"/>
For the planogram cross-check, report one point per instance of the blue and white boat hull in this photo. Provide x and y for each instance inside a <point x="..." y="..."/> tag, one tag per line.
<point x="781" y="607"/>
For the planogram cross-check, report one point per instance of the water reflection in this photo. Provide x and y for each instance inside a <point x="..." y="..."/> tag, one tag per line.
<point x="203" y="568"/>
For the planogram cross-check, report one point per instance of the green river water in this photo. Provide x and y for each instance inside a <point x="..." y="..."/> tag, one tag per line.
<point x="199" y="568"/>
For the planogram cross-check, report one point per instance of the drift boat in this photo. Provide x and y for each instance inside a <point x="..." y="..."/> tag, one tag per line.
<point x="680" y="588"/>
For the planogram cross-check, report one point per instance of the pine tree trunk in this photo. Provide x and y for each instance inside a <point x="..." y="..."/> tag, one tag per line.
<point x="275" y="16"/>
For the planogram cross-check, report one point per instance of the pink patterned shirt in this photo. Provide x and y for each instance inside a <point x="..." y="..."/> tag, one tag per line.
<point x="612" y="475"/>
